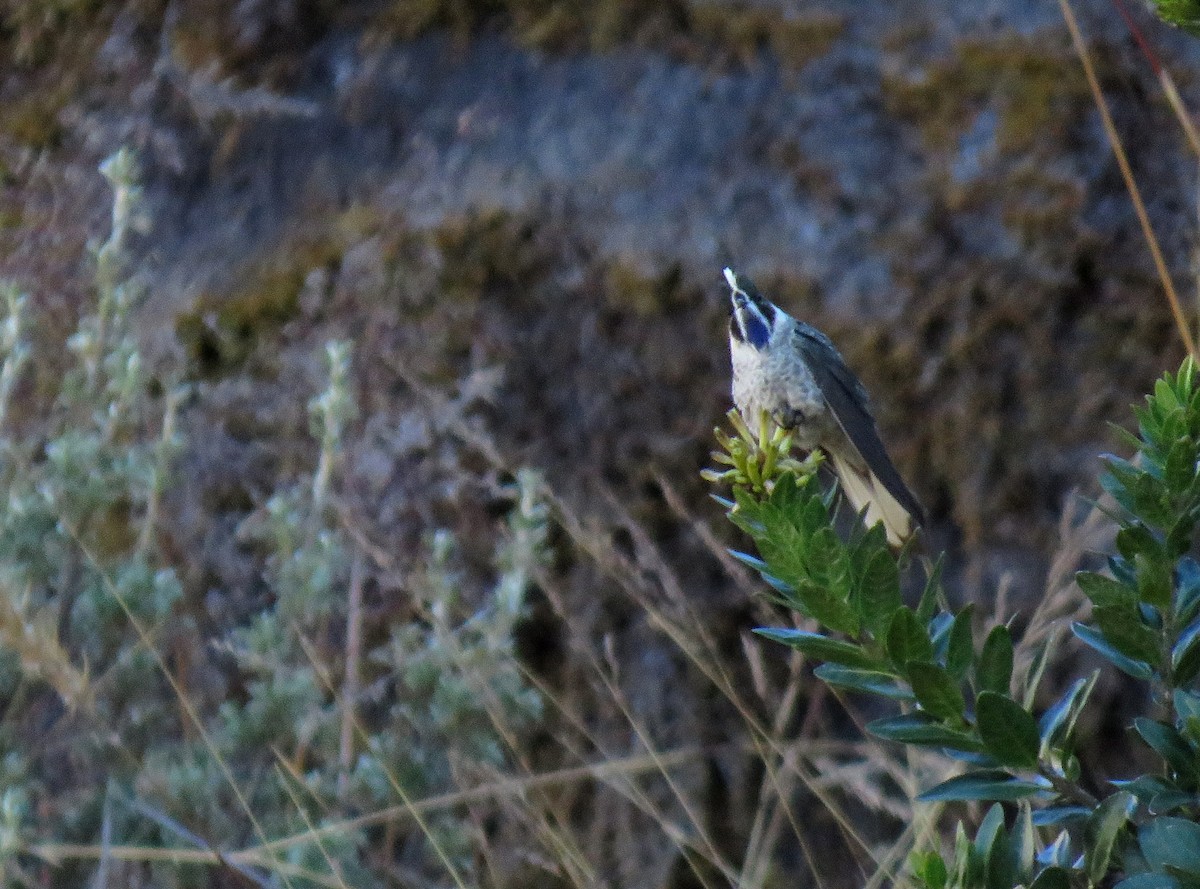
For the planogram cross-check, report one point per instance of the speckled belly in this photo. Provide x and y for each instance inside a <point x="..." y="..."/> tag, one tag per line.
<point x="785" y="390"/>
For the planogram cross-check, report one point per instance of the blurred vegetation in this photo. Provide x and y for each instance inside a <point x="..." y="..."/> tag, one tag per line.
<point x="317" y="720"/>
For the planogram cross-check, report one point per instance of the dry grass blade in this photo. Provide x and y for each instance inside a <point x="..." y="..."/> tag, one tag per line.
<point x="1061" y="602"/>
<point x="393" y="781"/>
<point x="170" y="826"/>
<point x="284" y="770"/>
<point x="621" y="781"/>
<point x="185" y="703"/>
<point x="1165" y="80"/>
<point x="35" y="640"/>
<point x="499" y="789"/>
<point x="56" y="853"/>
<point x="1135" y="195"/>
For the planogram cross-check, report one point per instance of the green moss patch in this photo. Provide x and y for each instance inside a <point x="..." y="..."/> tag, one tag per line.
<point x="1036" y="84"/>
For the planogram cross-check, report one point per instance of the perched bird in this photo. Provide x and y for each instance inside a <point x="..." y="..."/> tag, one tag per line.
<point x="792" y="371"/>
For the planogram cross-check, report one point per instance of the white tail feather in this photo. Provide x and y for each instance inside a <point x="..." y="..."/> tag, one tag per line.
<point x="863" y="489"/>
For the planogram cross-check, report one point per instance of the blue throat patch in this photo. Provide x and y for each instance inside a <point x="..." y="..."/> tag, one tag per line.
<point x="758" y="334"/>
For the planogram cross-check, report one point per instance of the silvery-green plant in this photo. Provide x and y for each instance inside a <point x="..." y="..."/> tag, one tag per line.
<point x="99" y="642"/>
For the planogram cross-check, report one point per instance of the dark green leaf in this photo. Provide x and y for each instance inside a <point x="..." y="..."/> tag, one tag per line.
<point x="924" y="731"/>
<point x="1185" y="380"/>
<point x="960" y="647"/>
<point x="929" y="868"/>
<point x="1052" y="878"/>
<point x="1140" y="490"/>
<point x="989" y="831"/>
<point x="796" y="550"/>
<point x="1126" y="437"/>
<point x="1056" y="723"/>
<point x="1000" y="866"/>
<point x="995" y="851"/>
<point x="1101" y="832"/>
<point x="726" y="504"/>
<point x="824" y="607"/>
<point x="975" y="759"/>
<point x="1154" y="581"/>
<point x="933" y="586"/>
<point x="1186" y="703"/>
<point x="1171" y="746"/>
<point x="1119" y="491"/>
<point x="865" y="541"/>
<point x="780" y="542"/>
<point x="1122" y="571"/>
<point x="789" y="496"/>
<point x="1008" y="731"/>
<point x="746" y="511"/>
<point x="1055" y="815"/>
<point x="1135" y="540"/>
<point x="1024" y="844"/>
<point x="1121" y="470"/>
<point x="821" y="648"/>
<point x="1103" y="590"/>
<point x="936" y="690"/>
<point x="829" y="564"/>
<point x="786" y="592"/>
<point x="907" y="639"/>
<point x="1185" y="655"/>
<point x="1094" y="639"/>
<point x="939" y="635"/>
<point x="1171" y="842"/>
<point x="1179" y="537"/>
<point x="1179" y="469"/>
<point x="878" y="593"/>
<point x="1152" y="618"/>
<point x="868" y="681"/>
<point x="1165" y="399"/>
<point x="1190" y="728"/>
<point x="1124" y="631"/>
<point x="1146" y="787"/>
<point x="752" y="562"/>
<point x="1070" y="767"/>
<point x="994" y="670"/>
<point x="814" y="513"/>
<point x="1148" y="881"/>
<point x="968" y="869"/>
<point x="1166" y="803"/>
<point x="1058" y="852"/>
<point x="1187" y="590"/>
<point x="988" y="784"/>
<point x="1187" y="707"/>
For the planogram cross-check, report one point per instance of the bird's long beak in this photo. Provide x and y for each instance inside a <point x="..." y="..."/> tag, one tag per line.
<point x="740" y="304"/>
<point x="752" y="317"/>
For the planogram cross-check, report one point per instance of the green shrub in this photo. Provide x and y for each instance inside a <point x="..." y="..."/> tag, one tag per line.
<point x="1183" y="14"/>
<point x="956" y="691"/>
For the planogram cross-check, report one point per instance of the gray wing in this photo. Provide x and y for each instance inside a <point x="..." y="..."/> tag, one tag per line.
<point x="848" y="401"/>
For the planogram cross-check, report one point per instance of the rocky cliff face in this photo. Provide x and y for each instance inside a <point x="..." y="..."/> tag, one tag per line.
<point x="518" y="213"/>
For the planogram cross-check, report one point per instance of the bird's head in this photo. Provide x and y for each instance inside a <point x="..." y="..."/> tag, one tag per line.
<point x="752" y="318"/>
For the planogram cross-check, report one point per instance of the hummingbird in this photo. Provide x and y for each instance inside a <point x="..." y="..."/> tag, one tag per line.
<point x="793" y="372"/>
